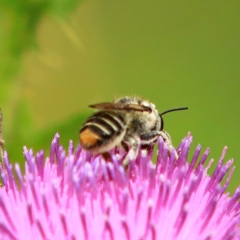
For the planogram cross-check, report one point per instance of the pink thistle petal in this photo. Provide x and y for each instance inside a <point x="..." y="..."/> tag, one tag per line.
<point x="193" y="162"/>
<point x="80" y="196"/>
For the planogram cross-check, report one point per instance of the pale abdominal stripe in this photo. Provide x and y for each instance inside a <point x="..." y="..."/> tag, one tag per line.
<point x="101" y="127"/>
<point x="103" y="130"/>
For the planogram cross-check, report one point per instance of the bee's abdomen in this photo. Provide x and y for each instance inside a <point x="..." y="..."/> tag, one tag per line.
<point x="100" y="129"/>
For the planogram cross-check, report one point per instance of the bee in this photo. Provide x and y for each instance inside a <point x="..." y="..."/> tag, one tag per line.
<point x="126" y="122"/>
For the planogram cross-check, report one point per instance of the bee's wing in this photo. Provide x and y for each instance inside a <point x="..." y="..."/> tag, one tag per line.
<point x="137" y="107"/>
<point x="121" y="106"/>
<point x="104" y="105"/>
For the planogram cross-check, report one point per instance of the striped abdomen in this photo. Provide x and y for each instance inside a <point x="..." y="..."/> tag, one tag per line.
<point x="102" y="131"/>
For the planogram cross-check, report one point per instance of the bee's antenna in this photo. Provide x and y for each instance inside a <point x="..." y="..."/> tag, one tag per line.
<point x="174" y="109"/>
<point x="1" y="137"/>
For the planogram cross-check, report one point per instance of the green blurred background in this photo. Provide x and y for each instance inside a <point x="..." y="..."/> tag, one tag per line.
<point x="57" y="57"/>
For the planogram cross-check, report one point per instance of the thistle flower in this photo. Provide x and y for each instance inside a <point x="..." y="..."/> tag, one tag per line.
<point x="75" y="195"/>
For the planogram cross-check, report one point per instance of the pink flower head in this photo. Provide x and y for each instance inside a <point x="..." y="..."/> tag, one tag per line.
<point x="76" y="195"/>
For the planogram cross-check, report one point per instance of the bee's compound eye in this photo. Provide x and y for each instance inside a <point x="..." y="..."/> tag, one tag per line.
<point x="88" y="138"/>
<point x="161" y="123"/>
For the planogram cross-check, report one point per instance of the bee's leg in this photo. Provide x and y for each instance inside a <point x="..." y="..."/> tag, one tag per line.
<point x="129" y="142"/>
<point x="107" y="157"/>
<point x="167" y="139"/>
<point x="125" y="146"/>
<point x="149" y="138"/>
<point x="124" y="161"/>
